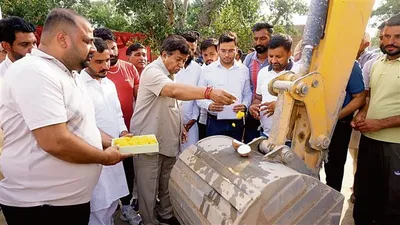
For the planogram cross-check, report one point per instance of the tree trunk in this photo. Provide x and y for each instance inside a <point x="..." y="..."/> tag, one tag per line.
<point x="209" y="6"/>
<point x="169" y="4"/>
<point x="182" y="20"/>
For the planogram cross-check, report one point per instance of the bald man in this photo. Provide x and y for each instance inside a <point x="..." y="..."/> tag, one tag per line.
<point x="52" y="155"/>
<point x="363" y="55"/>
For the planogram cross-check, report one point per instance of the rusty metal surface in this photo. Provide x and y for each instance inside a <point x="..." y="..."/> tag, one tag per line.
<point x="212" y="184"/>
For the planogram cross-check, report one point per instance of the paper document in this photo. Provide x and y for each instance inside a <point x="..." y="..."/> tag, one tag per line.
<point x="227" y="113"/>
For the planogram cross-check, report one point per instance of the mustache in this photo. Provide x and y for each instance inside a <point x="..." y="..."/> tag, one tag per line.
<point x="103" y="71"/>
<point x="393" y="46"/>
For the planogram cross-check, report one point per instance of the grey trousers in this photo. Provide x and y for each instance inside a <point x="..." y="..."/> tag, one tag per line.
<point x="153" y="173"/>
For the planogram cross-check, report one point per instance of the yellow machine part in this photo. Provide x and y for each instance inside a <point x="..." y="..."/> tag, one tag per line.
<point x="212" y="184"/>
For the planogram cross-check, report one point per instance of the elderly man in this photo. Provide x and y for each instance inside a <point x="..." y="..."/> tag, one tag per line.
<point x="157" y="112"/>
<point x="53" y="151"/>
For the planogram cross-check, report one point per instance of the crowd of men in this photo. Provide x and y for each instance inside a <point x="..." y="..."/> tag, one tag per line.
<point x="63" y="102"/>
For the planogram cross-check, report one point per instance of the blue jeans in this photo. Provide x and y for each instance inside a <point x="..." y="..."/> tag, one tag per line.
<point x="224" y="127"/>
<point x="251" y="131"/>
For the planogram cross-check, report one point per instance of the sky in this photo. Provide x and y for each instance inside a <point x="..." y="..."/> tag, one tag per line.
<point x="301" y="20"/>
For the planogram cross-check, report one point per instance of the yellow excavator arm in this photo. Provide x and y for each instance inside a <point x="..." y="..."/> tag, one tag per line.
<point x="212" y="184"/>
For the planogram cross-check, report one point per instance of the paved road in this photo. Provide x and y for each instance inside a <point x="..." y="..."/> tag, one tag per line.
<point x="347" y="218"/>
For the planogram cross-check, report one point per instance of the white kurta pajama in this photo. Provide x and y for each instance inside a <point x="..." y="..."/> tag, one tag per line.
<point x="190" y="111"/>
<point x="112" y="184"/>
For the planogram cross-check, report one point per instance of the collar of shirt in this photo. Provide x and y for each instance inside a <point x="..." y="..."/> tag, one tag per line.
<point x="255" y="57"/>
<point x="191" y="65"/>
<point x="288" y="67"/>
<point x="7" y="61"/>
<point x="234" y="66"/>
<point x="86" y="77"/>
<point x="159" y="63"/>
<point x="38" y="53"/>
<point x="385" y="59"/>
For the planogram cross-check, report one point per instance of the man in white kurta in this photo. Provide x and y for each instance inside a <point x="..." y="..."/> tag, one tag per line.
<point x="190" y="74"/>
<point x="112" y="183"/>
<point x="190" y="110"/>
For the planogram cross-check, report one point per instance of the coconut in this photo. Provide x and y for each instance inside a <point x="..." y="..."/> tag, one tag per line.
<point x="244" y="150"/>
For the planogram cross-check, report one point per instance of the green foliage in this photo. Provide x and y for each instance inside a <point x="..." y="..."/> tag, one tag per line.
<point x="148" y="17"/>
<point x="387" y="9"/>
<point x="35" y="11"/>
<point x="210" y="17"/>
<point x="104" y="14"/>
<point x="237" y="16"/>
<point x="281" y="11"/>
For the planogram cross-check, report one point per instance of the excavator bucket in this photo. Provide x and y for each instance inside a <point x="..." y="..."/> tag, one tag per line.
<point x="212" y="184"/>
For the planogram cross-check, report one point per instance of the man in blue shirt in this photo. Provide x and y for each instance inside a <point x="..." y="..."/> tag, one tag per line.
<point x="355" y="99"/>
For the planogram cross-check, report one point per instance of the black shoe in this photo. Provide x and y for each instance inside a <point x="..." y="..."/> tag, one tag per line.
<point x="135" y="204"/>
<point x="171" y="221"/>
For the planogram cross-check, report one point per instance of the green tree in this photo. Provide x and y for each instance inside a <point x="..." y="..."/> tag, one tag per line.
<point x="105" y="14"/>
<point x="387" y="9"/>
<point x="149" y="17"/>
<point x="281" y="11"/>
<point x="35" y="11"/>
<point x="237" y="16"/>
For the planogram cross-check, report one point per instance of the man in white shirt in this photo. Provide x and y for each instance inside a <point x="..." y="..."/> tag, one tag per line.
<point x="263" y="105"/>
<point x="233" y="77"/>
<point x="52" y="152"/>
<point x="209" y="52"/>
<point x="190" y="74"/>
<point x="17" y="39"/>
<point x="112" y="183"/>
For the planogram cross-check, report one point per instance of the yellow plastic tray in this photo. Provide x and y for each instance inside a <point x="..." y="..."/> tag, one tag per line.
<point x="139" y="149"/>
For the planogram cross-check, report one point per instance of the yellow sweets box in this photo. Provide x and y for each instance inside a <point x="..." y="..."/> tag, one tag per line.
<point x="137" y="144"/>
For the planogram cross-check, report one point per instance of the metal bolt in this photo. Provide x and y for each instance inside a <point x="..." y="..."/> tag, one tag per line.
<point x="304" y="89"/>
<point x="323" y="142"/>
<point x="326" y="142"/>
<point x="315" y="83"/>
<point x="287" y="155"/>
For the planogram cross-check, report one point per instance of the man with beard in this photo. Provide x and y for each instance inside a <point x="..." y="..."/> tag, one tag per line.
<point x="377" y="182"/>
<point x="137" y="55"/>
<point x="226" y="73"/>
<point x="263" y="105"/>
<point x="126" y="80"/>
<point x="17" y="39"/>
<point x="190" y="74"/>
<point x="209" y="52"/>
<point x="53" y="150"/>
<point x="112" y="182"/>
<point x="255" y="61"/>
<point x="366" y="68"/>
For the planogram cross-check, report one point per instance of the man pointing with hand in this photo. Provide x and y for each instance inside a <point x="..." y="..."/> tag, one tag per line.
<point x="157" y="112"/>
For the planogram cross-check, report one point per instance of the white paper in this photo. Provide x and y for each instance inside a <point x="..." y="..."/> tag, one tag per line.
<point x="227" y="113"/>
